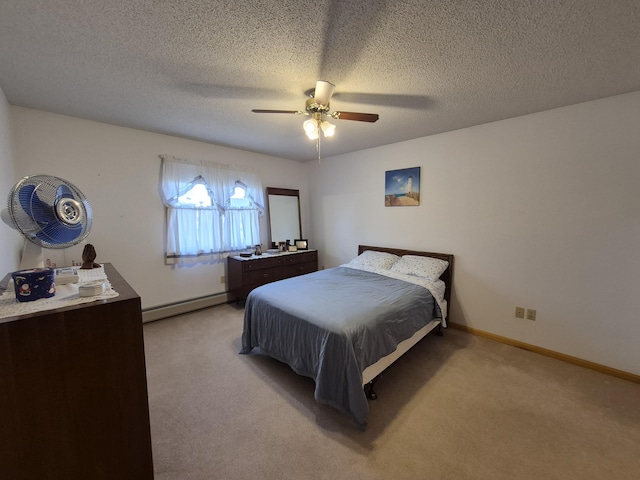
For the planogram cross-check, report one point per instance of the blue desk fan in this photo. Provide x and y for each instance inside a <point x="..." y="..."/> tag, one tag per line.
<point x="50" y="213"/>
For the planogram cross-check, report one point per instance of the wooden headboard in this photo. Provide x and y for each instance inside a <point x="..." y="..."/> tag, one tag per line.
<point x="446" y="277"/>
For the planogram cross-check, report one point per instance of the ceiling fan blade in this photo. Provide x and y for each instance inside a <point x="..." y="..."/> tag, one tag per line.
<point x="360" y="117"/>
<point x="296" y="112"/>
<point x="323" y="92"/>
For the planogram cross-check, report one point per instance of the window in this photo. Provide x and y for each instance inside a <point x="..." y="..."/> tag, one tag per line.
<point x="211" y="208"/>
<point x="196" y="196"/>
<point x="239" y="198"/>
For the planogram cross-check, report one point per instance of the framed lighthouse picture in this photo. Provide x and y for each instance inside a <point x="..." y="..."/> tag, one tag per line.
<point x="402" y="187"/>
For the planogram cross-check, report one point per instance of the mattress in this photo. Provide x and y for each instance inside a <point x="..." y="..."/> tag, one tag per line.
<point x="332" y="324"/>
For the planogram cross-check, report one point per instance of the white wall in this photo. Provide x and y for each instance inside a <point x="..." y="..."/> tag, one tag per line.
<point x="10" y="240"/>
<point x="118" y="169"/>
<point x="541" y="211"/>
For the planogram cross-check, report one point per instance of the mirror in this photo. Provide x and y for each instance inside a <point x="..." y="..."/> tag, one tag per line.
<point x="284" y="215"/>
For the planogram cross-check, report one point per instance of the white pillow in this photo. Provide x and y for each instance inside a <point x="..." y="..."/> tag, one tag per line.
<point x="373" y="259"/>
<point x="427" y="267"/>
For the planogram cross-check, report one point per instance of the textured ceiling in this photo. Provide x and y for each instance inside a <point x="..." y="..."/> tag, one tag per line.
<point x="196" y="68"/>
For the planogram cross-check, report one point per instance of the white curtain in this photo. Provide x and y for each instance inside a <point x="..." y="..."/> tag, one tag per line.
<point x="195" y="232"/>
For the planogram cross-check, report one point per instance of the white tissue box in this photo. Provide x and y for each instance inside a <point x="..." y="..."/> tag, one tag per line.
<point x="90" y="289"/>
<point x="62" y="276"/>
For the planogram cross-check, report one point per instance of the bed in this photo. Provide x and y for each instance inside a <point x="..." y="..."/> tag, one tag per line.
<point x="344" y="326"/>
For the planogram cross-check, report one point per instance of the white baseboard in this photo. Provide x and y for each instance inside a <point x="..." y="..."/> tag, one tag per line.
<point x="164" y="311"/>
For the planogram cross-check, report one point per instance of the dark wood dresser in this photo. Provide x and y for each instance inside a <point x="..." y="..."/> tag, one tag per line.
<point x="73" y="391"/>
<point x="245" y="274"/>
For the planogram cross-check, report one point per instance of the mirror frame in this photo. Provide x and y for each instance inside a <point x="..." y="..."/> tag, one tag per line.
<point x="287" y="192"/>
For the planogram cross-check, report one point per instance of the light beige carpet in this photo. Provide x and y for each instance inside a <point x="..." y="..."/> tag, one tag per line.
<point x="454" y="407"/>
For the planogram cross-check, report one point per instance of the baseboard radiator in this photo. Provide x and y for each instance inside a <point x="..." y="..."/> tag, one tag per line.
<point x="178" y="308"/>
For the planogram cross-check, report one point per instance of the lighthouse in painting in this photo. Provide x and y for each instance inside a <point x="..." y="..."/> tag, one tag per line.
<point x="410" y="187"/>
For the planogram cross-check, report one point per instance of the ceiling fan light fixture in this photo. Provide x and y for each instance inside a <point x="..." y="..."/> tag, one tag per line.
<point x="311" y="128"/>
<point x="317" y="106"/>
<point x="328" y="128"/>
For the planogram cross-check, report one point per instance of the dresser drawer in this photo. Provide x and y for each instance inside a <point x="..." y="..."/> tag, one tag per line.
<point x="262" y="276"/>
<point x="300" y="264"/>
<point x="296" y="269"/>
<point x="261" y="264"/>
<point x="301" y="258"/>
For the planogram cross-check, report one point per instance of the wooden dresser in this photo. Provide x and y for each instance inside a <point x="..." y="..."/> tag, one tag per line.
<point x="73" y="391"/>
<point x="245" y="274"/>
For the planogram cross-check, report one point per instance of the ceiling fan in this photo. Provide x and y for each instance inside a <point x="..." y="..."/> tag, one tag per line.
<point x="317" y="105"/>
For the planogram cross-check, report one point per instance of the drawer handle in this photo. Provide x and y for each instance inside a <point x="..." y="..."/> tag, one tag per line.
<point x="265" y="275"/>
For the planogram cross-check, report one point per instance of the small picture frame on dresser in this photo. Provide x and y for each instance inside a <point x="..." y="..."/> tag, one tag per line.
<point x="301" y="244"/>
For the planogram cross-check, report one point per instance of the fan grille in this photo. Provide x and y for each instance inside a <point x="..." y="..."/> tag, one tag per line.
<point x="49" y="211"/>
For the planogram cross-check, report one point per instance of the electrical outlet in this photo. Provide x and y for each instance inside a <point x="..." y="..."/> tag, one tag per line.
<point x="531" y="314"/>
<point x="222" y="279"/>
<point x="519" y="312"/>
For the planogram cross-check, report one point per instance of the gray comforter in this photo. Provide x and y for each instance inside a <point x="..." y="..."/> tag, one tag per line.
<point x="332" y="324"/>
